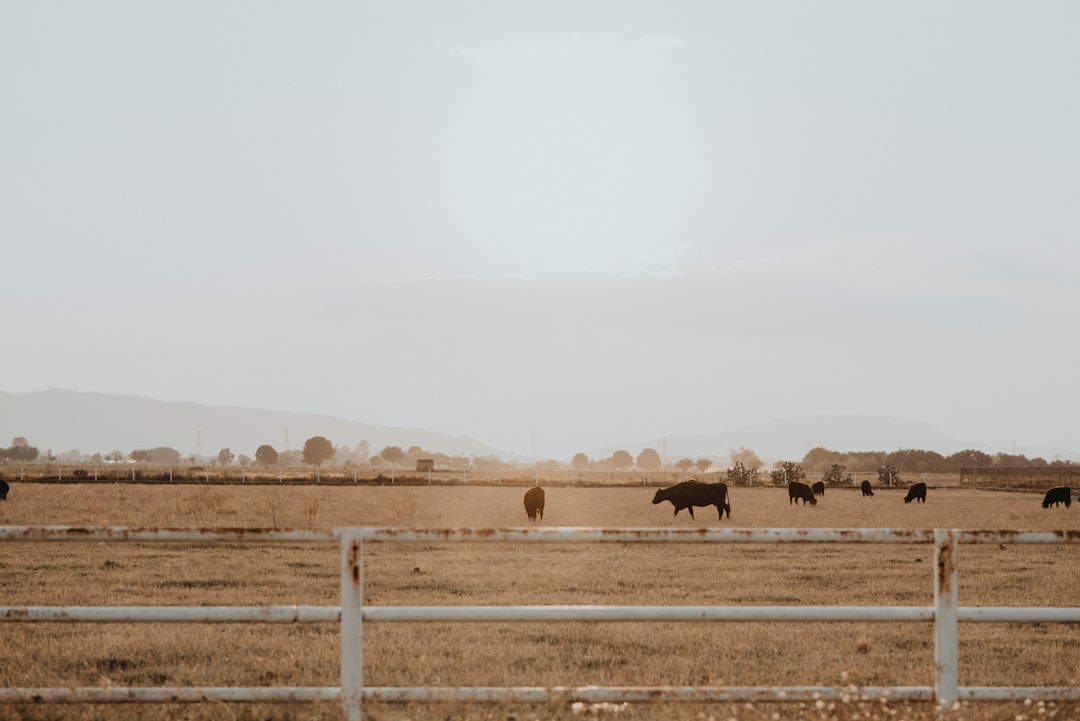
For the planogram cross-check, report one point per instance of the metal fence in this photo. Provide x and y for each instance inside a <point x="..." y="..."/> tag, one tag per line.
<point x="945" y="614"/>
<point x="152" y="473"/>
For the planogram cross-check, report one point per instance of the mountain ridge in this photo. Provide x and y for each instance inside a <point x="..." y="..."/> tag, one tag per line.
<point x="64" y="420"/>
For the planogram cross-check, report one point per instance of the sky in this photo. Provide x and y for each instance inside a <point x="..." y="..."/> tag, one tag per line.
<point x="549" y="225"/>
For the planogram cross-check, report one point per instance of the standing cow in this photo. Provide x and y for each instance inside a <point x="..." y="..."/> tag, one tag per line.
<point x="917" y="492"/>
<point x="797" y="490"/>
<point x="866" y="489"/>
<point x="818" y="488"/>
<point x="695" y="493"/>
<point x="1060" y="494"/>
<point x="534" y="503"/>
<point x="4" y="488"/>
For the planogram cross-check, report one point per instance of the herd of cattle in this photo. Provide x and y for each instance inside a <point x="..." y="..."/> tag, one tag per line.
<point x="698" y="493"/>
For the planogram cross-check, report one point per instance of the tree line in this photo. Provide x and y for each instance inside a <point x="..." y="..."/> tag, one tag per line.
<point x="316" y="451"/>
<point x="913" y="460"/>
<point x="744" y="465"/>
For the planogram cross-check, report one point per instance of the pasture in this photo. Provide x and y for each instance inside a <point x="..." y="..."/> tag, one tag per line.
<point x="533" y="654"/>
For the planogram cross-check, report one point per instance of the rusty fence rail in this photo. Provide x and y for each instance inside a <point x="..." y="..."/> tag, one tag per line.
<point x="351" y="615"/>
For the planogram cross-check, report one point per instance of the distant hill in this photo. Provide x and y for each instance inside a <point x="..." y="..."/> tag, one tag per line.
<point x="789" y="439"/>
<point x="63" y="420"/>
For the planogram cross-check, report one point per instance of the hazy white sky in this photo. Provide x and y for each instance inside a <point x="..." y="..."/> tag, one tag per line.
<point x="549" y="225"/>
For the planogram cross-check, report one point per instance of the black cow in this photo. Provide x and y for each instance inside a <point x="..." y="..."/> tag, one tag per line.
<point x="4" y="488"/>
<point x="695" y="493"/>
<point x="534" y="503"/>
<point x="866" y="489"/>
<point x="797" y="490"/>
<point x="818" y="488"/>
<point x="916" y="492"/>
<point x="1060" y="494"/>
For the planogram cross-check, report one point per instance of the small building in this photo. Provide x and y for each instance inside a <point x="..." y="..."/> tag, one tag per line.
<point x="425" y="465"/>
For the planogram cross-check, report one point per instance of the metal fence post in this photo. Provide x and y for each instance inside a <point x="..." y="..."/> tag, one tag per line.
<point x="352" y="600"/>
<point x="946" y="619"/>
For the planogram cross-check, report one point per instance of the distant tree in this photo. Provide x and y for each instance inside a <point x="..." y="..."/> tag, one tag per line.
<point x="684" y="464"/>
<point x="1013" y="459"/>
<point x="785" y="472"/>
<point x="343" y="456"/>
<point x="835" y="476"/>
<point x="392" y="454"/>
<point x="362" y="450"/>
<point x="21" y="450"/>
<point x="969" y="459"/>
<point x="114" y="456"/>
<point x="243" y="460"/>
<point x="293" y="457"/>
<point x="71" y="457"/>
<point x="747" y="457"/>
<point x="917" y="461"/>
<point x="266" y="456"/>
<point x="888" y="475"/>
<point x="821" y="457"/>
<point x="140" y="455"/>
<point x="487" y="464"/>
<point x="580" y="462"/>
<point x="703" y="464"/>
<point x="740" y="475"/>
<point x="649" y="460"/>
<point x="225" y="457"/>
<point x="164" y="455"/>
<point x="356" y="456"/>
<point x="621" y="459"/>
<point x="317" y="449"/>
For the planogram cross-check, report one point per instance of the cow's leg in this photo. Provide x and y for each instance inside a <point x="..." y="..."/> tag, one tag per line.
<point x="691" y="509"/>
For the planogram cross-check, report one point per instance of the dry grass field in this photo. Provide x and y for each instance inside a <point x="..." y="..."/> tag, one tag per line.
<point x="528" y="654"/>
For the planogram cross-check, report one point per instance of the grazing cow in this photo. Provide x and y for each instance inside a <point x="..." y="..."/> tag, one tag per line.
<point x="818" y="488"/>
<point x="695" y="493"/>
<point x="866" y="489"/>
<point x="1061" y="494"/>
<point x="797" y="490"/>
<point x="534" y="503"/>
<point x="3" y="489"/>
<point x="916" y="492"/>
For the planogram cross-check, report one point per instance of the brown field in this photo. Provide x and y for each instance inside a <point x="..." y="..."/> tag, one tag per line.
<point x="527" y="654"/>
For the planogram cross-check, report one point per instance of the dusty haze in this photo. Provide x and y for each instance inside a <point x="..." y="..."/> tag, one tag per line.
<point x="549" y="227"/>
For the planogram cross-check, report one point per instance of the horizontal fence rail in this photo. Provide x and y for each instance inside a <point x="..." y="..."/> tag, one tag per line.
<point x="79" y="472"/>
<point x="945" y="614"/>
